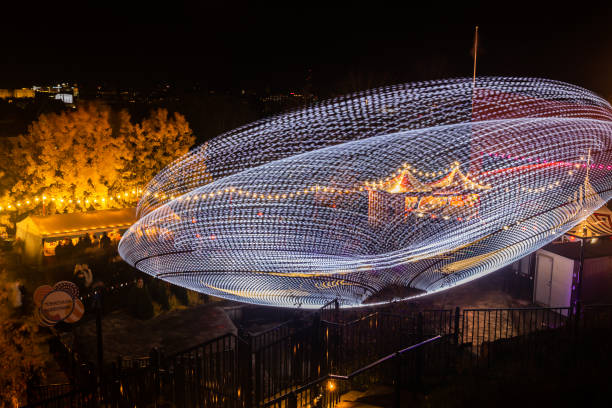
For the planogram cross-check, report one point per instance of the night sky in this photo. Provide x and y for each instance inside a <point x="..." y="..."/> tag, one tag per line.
<point x="237" y="46"/>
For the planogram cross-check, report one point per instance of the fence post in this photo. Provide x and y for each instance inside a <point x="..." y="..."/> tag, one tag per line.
<point x="73" y="366"/>
<point x="419" y="351"/>
<point x="576" y="334"/>
<point x="398" y="380"/>
<point x="258" y="377"/>
<point x="154" y="356"/>
<point x="99" y="338"/>
<point x="292" y="400"/>
<point x="111" y="394"/>
<point x="247" y="378"/>
<point x="179" y="382"/>
<point x="317" y="351"/>
<point x="336" y="311"/>
<point x="456" y="328"/>
<point x="420" y="333"/>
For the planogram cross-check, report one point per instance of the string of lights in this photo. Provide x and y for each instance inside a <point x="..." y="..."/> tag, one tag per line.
<point x="61" y="200"/>
<point x="377" y="196"/>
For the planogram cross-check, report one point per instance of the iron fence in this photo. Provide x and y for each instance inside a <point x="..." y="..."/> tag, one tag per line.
<point x="291" y="364"/>
<point x="45" y="392"/>
<point x="486" y="333"/>
<point x="72" y="399"/>
<point x="285" y="359"/>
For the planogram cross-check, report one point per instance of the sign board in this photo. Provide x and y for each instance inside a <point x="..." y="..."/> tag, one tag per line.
<point x="58" y="303"/>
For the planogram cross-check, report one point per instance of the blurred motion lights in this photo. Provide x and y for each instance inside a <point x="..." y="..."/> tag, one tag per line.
<point x="377" y="196"/>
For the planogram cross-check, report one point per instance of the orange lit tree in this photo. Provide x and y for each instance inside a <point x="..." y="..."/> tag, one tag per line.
<point x="154" y="143"/>
<point x="70" y="154"/>
<point x="21" y="355"/>
<point x="90" y="158"/>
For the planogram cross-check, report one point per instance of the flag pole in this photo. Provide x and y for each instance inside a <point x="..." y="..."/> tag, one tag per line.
<point x="474" y="165"/>
<point x="475" y="57"/>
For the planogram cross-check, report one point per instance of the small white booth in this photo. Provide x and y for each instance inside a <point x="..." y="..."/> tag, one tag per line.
<point x="39" y="235"/>
<point x="557" y="265"/>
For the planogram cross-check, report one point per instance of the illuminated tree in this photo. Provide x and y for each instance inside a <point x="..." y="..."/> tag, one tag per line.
<point x="154" y="143"/>
<point x="93" y="157"/>
<point x="21" y="357"/>
<point x="8" y="178"/>
<point x="72" y="154"/>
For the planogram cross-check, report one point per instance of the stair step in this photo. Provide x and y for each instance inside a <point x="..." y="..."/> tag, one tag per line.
<point x="367" y="398"/>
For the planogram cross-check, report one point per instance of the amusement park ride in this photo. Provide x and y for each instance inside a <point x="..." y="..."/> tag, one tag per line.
<point x="378" y="196"/>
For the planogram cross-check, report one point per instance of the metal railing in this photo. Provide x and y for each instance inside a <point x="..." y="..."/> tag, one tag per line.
<point x="487" y="332"/>
<point x="295" y="357"/>
<point x="328" y="395"/>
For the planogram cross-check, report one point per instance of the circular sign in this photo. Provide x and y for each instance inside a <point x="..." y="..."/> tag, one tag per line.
<point x="77" y="313"/>
<point x="56" y="306"/>
<point x="41" y="320"/>
<point x="67" y="287"/>
<point x="40" y="293"/>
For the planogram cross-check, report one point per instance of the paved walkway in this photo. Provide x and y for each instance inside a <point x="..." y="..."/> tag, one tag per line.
<point x="376" y="396"/>
<point x="485" y="292"/>
<point x="172" y="331"/>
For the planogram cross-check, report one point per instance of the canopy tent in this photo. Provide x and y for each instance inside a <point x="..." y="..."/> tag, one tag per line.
<point x="598" y="224"/>
<point x="33" y="231"/>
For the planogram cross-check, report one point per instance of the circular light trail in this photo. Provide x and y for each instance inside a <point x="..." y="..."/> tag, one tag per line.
<point x="377" y="196"/>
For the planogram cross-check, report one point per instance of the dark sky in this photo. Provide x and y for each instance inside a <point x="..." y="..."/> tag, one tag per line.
<point x="238" y="45"/>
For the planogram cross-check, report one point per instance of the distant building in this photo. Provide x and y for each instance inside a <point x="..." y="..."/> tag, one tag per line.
<point x="23" y="93"/>
<point x="67" y="98"/>
<point x="20" y="93"/>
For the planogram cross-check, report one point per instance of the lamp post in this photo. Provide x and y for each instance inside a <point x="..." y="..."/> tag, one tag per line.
<point x="580" y="269"/>
<point x="100" y="349"/>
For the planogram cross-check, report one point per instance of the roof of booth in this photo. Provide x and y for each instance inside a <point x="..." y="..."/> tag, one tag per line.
<point x="598" y="224"/>
<point x="58" y="225"/>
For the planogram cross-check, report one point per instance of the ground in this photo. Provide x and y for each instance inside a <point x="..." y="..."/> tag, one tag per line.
<point x="171" y="332"/>
<point x="485" y="292"/>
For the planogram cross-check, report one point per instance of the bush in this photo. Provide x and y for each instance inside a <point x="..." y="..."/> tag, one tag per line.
<point x="159" y="293"/>
<point x="141" y="305"/>
<point x="180" y="293"/>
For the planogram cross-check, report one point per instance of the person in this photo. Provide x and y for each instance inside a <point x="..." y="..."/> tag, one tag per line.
<point x="59" y="250"/>
<point x="115" y="237"/>
<point x="86" y="240"/>
<point x="70" y="248"/>
<point x="95" y="242"/>
<point x="105" y="241"/>
<point x="16" y="295"/>
<point x="18" y="246"/>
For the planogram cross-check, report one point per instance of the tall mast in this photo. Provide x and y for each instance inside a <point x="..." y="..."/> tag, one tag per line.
<point x="475" y="56"/>
<point x="475" y="164"/>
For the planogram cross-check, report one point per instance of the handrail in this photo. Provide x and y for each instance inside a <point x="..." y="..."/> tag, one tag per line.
<point x="354" y="373"/>
<point x="187" y="350"/>
<point x="494" y="309"/>
<point x="352" y="321"/>
<point x="329" y="303"/>
<point x="596" y="305"/>
<point x="266" y="331"/>
<point x="386" y="313"/>
<point x="383" y="359"/>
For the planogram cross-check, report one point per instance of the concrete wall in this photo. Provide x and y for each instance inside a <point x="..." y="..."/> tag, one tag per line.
<point x="597" y="283"/>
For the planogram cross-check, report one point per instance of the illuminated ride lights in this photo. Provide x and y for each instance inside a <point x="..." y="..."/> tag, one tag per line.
<point x="386" y="194"/>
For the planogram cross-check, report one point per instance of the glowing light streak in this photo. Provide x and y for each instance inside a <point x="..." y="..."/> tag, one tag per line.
<point x="424" y="187"/>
